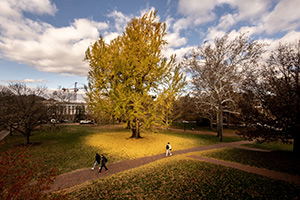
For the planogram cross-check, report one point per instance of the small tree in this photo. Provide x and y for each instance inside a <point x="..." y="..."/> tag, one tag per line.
<point x="22" y="178"/>
<point x="7" y="119"/>
<point x="217" y="72"/>
<point x="22" y="108"/>
<point x="271" y="103"/>
<point x="130" y="80"/>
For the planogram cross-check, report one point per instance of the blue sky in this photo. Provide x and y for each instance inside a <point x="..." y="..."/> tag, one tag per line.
<point x="42" y="42"/>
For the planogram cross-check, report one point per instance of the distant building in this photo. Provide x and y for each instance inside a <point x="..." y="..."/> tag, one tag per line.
<point x="66" y="111"/>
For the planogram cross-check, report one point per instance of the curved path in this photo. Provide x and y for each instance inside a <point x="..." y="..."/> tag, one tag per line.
<point x="3" y="134"/>
<point x="77" y="178"/>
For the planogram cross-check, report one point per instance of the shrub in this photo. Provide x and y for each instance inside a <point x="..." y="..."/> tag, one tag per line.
<point x="22" y="178"/>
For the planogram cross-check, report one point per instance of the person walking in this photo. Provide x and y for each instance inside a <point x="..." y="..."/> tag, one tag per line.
<point x="103" y="160"/>
<point x="169" y="149"/>
<point x="97" y="161"/>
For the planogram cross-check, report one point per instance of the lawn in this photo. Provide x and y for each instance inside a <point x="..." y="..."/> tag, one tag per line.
<point x="73" y="147"/>
<point x="282" y="161"/>
<point x="179" y="177"/>
<point x="272" y="146"/>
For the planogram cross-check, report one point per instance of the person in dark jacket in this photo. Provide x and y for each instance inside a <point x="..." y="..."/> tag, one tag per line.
<point x="97" y="161"/>
<point x="103" y="160"/>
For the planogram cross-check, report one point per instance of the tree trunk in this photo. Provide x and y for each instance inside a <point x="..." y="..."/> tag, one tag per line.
<point x="217" y="125"/>
<point x="220" y="125"/>
<point x="10" y="130"/>
<point x="135" y="130"/>
<point x="211" y="123"/>
<point x="135" y="134"/>
<point x="27" y="138"/>
<point x="228" y="120"/>
<point x="296" y="146"/>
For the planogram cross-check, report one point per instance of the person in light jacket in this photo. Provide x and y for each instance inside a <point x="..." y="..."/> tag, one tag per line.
<point x="169" y="149"/>
<point x="97" y="161"/>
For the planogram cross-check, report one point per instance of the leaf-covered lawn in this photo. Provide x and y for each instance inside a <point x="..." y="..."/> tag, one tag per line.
<point x="73" y="147"/>
<point x="183" y="178"/>
<point x="276" y="160"/>
<point x="120" y="147"/>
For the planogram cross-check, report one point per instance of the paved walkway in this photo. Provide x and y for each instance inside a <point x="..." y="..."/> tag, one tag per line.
<point x="78" y="178"/>
<point x="3" y="134"/>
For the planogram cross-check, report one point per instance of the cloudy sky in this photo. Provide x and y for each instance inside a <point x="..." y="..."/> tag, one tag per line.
<point x="42" y="42"/>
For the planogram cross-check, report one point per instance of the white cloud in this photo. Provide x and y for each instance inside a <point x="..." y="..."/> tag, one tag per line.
<point x="61" y="50"/>
<point x="180" y="53"/>
<point x="284" y="17"/>
<point x="25" y="81"/>
<point x="195" y="13"/>
<point x="50" y="49"/>
<point x="121" y="20"/>
<point x="109" y="36"/>
<point x="290" y="38"/>
<point x="214" y="33"/>
<point x="13" y="8"/>
<point x="226" y="21"/>
<point x="248" y="10"/>
<point x="197" y="9"/>
<point x="174" y="40"/>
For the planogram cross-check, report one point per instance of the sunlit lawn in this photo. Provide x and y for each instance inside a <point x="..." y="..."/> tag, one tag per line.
<point x="179" y="177"/>
<point x="121" y="147"/>
<point x="73" y="147"/>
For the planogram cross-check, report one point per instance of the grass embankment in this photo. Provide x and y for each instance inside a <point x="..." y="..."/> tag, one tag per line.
<point x="73" y="147"/>
<point x="279" y="159"/>
<point x="179" y="177"/>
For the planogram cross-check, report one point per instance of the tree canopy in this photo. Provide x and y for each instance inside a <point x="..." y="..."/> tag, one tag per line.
<point x="217" y="71"/>
<point x="271" y="100"/>
<point x="22" y="108"/>
<point x="130" y="80"/>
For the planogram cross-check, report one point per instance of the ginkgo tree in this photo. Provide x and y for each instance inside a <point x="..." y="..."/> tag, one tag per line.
<point x="130" y="79"/>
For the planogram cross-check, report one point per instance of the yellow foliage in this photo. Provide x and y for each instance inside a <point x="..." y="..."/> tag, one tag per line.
<point x="122" y="147"/>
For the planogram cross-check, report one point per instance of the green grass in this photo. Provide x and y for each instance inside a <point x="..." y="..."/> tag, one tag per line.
<point x="196" y="127"/>
<point x="73" y="147"/>
<point x="277" y="160"/>
<point x="191" y="126"/>
<point x="272" y="146"/>
<point x="183" y="178"/>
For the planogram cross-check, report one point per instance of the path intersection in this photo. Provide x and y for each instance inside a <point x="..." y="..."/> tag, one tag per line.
<point x="78" y="178"/>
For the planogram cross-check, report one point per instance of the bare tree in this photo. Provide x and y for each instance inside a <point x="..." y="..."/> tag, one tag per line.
<point x="271" y="103"/>
<point x="62" y="95"/>
<point x="22" y="108"/>
<point x="217" y="72"/>
<point x="6" y="117"/>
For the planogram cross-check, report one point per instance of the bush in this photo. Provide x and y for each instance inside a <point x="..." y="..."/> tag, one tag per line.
<point x="22" y="178"/>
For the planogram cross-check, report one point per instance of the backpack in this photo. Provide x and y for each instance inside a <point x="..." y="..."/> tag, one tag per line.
<point x="167" y="147"/>
<point x="105" y="159"/>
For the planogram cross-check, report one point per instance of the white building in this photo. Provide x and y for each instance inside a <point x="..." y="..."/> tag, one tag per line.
<point x="66" y="111"/>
